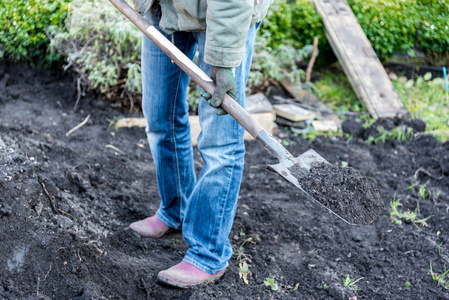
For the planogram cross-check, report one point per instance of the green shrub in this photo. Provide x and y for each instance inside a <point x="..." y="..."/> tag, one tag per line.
<point x="274" y="64"/>
<point x="389" y="25"/>
<point x="306" y="23"/>
<point x="102" y="46"/>
<point x="22" y="29"/>
<point x="295" y="24"/>
<point x="434" y="30"/>
<point x="392" y="27"/>
<point x="400" y="26"/>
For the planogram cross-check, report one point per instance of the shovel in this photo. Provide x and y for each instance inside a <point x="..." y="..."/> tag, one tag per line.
<point x="287" y="162"/>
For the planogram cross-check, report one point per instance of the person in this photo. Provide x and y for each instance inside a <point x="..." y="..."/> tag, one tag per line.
<point x="223" y="32"/>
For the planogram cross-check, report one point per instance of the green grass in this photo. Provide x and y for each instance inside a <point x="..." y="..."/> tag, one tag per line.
<point x="441" y="279"/>
<point x="336" y="92"/>
<point x="424" y="98"/>
<point x="400" y="133"/>
<point x="347" y="282"/>
<point x="397" y="215"/>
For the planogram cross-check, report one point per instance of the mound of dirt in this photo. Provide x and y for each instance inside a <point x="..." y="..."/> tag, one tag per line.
<point x="344" y="191"/>
<point x="355" y="127"/>
<point x="66" y="202"/>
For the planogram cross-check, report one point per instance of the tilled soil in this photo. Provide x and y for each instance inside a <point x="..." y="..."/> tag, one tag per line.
<point x="345" y="192"/>
<point x="66" y="202"/>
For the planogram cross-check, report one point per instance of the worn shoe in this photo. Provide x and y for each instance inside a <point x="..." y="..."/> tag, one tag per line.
<point x="185" y="275"/>
<point x="151" y="227"/>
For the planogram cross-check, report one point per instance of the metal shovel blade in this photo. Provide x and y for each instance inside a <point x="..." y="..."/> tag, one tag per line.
<point x="302" y="167"/>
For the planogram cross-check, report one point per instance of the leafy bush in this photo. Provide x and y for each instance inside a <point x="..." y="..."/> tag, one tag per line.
<point x="399" y="26"/>
<point x="389" y="25"/>
<point x="274" y="64"/>
<point x="392" y="27"/>
<point x="102" y="46"/>
<point x="434" y="30"/>
<point x="294" y="24"/>
<point x="22" y="29"/>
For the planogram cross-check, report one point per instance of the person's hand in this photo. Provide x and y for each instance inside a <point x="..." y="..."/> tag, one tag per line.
<point x="224" y="83"/>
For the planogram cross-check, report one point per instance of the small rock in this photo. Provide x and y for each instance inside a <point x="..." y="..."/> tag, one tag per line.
<point x="5" y="210"/>
<point x="393" y="76"/>
<point x="38" y="208"/>
<point x="357" y="236"/>
<point x="64" y="222"/>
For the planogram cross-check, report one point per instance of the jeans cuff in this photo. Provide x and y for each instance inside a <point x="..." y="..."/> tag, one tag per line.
<point x="201" y="266"/>
<point x="167" y="221"/>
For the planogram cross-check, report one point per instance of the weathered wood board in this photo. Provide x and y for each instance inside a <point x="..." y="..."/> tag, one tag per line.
<point x="305" y="97"/>
<point x="265" y="119"/>
<point x="360" y="63"/>
<point x="257" y="105"/>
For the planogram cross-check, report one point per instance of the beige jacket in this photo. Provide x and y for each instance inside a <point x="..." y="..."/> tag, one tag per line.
<point x="226" y="23"/>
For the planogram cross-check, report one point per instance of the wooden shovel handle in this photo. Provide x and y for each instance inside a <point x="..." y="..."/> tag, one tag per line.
<point x="189" y="67"/>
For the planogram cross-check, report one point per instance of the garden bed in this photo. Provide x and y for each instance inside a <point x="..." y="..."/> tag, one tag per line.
<point x="66" y="202"/>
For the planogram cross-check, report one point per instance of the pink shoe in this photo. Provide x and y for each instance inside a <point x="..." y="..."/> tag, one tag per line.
<point x="151" y="227"/>
<point x="185" y="275"/>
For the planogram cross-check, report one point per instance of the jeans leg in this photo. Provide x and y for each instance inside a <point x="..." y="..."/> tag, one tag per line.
<point x="211" y="207"/>
<point x="165" y="108"/>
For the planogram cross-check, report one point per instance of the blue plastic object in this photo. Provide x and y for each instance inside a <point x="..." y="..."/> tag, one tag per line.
<point x="445" y="79"/>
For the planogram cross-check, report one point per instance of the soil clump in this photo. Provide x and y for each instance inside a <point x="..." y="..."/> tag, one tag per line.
<point x="345" y="192"/>
<point x="66" y="203"/>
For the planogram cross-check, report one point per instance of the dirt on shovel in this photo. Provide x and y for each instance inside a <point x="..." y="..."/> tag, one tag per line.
<point x="344" y="191"/>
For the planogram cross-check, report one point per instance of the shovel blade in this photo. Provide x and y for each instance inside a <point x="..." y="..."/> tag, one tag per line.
<point x="303" y="164"/>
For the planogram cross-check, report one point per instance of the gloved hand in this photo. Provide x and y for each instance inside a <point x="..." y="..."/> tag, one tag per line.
<point x="224" y="83"/>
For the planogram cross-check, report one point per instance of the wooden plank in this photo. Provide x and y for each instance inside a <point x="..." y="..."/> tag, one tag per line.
<point x="265" y="119"/>
<point x="258" y="103"/>
<point x="292" y="112"/>
<point x="305" y="97"/>
<point x="324" y="125"/>
<point x="359" y="61"/>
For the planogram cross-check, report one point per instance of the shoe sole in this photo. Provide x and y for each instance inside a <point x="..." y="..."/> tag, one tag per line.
<point x="177" y="284"/>
<point x="137" y="234"/>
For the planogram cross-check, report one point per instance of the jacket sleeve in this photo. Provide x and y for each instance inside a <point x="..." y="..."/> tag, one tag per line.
<point x="227" y="23"/>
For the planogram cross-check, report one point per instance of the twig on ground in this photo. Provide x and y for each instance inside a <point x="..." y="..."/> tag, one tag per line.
<point x="48" y="272"/>
<point x="51" y="198"/>
<point x="312" y="59"/>
<point x="131" y="100"/>
<point x="78" y="94"/>
<point x="37" y="288"/>
<point x="145" y="288"/>
<point x="115" y="148"/>
<point x="420" y="134"/>
<point x="106" y="277"/>
<point x="421" y="169"/>
<point x="65" y="213"/>
<point x="78" y="253"/>
<point x="78" y="126"/>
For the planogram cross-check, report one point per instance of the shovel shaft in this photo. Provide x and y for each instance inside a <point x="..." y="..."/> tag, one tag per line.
<point x="189" y="67"/>
<point x="273" y="147"/>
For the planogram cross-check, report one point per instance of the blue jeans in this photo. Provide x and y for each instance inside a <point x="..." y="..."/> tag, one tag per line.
<point x="203" y="208"/>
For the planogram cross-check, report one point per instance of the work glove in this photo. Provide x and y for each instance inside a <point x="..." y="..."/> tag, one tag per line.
<point x="224" y="83"/>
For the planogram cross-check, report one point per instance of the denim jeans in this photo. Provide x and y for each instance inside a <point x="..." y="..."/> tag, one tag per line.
<point x="203" y="207"/>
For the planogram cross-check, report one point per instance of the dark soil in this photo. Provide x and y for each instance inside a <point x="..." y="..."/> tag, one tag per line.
<point x="66" y="202"/>
<point x="345" y="192"/>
